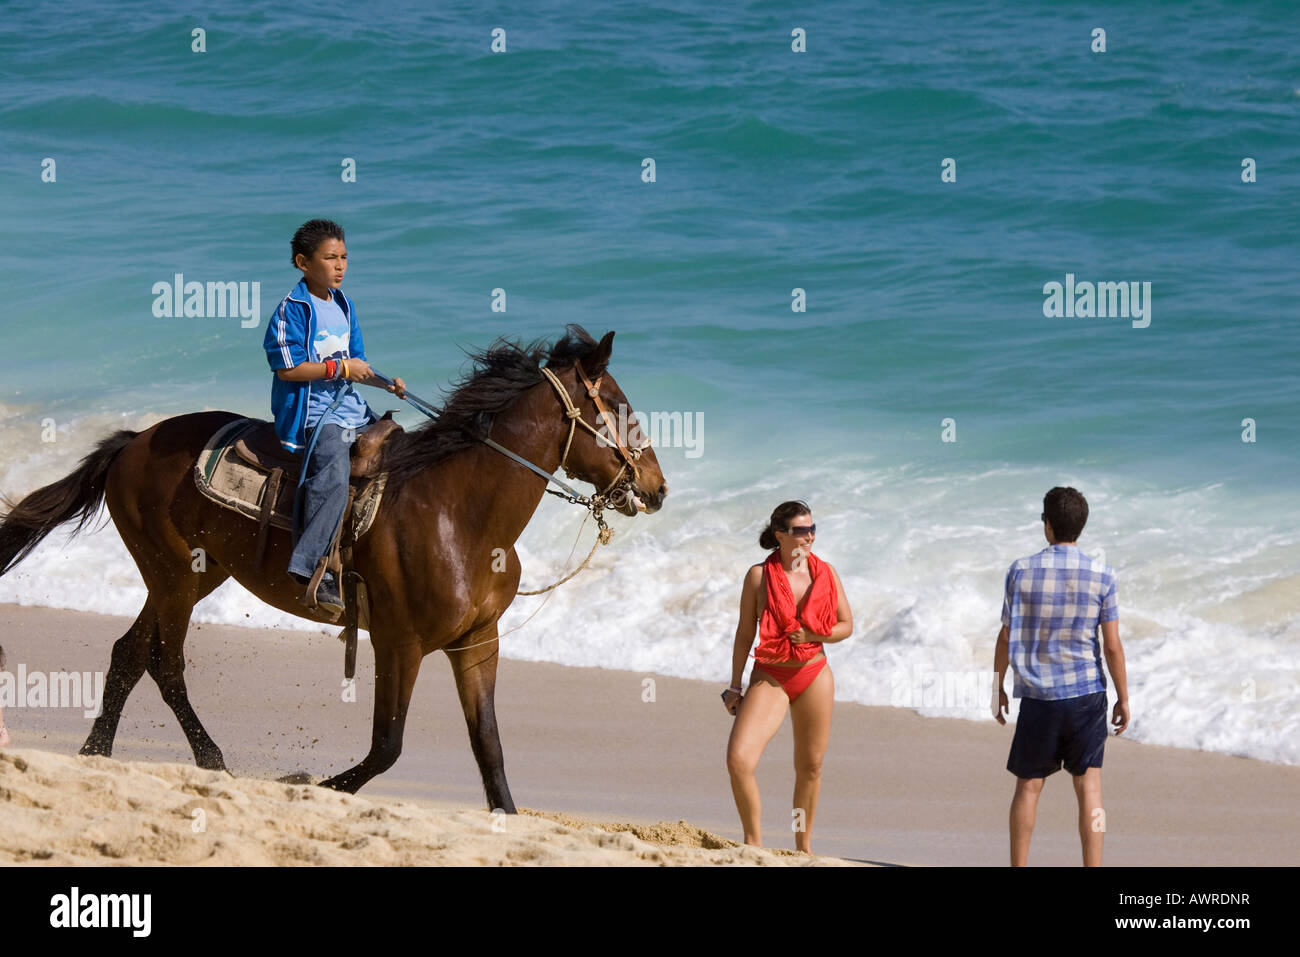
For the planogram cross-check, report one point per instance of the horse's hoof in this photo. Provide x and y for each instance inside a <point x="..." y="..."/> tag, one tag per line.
<point x="211" y="761"/>
<point x="340" y="782"/>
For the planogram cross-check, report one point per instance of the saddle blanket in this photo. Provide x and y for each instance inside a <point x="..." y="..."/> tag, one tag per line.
<point x="237" y="484"/>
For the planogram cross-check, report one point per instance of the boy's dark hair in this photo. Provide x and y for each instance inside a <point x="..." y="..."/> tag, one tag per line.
<point x="780" y="520"/>
<point x="310" y="235"/>
<point x="1067" y="511"/>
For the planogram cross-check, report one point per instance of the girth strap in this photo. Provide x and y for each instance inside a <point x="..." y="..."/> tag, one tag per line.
<point x="270" y="493"/>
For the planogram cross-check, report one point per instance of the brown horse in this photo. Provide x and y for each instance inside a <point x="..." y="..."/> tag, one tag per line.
<point x="439" y="561"/>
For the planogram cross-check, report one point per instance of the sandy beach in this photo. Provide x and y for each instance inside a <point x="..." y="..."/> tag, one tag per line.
<point x="623" y="780"/>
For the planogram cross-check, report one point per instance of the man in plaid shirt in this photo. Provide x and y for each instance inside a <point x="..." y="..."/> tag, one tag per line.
<point x="1051" y="610"/>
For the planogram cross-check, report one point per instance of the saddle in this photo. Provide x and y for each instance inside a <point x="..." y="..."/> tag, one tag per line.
<point x="244" y="468"/>
<point x="259" y="445"/>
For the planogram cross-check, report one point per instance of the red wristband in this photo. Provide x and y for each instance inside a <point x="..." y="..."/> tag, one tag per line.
<point x="330" y="366"/>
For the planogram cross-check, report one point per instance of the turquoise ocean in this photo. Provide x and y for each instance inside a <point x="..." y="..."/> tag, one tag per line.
<point x="774" y="171"/>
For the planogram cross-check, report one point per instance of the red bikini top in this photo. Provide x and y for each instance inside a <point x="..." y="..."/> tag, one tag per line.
<point x="781" y="618"/>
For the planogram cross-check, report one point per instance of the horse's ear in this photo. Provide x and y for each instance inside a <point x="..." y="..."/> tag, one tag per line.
<point x="594" y="364"/>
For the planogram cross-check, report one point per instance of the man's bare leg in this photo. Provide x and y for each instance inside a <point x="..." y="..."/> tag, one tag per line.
<point x="1024" y="810"/>
<point x="1092" y="818"/>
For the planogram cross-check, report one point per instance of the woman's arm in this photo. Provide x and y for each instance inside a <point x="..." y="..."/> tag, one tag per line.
<point x="747" y="625"/>
<point x="744" y="636"/>
<point x="844" y="625"/>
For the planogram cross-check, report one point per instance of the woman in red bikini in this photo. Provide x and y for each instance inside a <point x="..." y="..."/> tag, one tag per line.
<point x="790" y="669"/>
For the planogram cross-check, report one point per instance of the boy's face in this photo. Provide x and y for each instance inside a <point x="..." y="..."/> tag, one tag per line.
<point x="327" y="265"/>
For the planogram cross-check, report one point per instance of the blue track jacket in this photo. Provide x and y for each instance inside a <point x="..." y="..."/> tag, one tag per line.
<point x="292" y="327"/>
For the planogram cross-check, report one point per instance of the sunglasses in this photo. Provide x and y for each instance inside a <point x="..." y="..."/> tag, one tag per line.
<point x="802" y="529"/>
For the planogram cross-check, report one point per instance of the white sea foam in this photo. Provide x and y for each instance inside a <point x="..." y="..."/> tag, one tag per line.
<point x="1209" y="591"/>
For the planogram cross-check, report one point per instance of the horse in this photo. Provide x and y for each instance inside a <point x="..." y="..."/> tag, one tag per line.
<point x="439" y="560"/>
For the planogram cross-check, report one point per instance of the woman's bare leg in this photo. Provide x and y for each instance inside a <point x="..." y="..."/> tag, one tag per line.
<point x="810" y="715"/>
<point x="760" y="714"/>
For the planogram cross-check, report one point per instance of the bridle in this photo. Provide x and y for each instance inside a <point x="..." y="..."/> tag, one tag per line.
<point x="615" y="494"/>
<point x="620" y="487"/>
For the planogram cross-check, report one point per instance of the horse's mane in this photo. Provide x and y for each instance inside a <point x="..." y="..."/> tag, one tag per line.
<point x="500" y="373"/>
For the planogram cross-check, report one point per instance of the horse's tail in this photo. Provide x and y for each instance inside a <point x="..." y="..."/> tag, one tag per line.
<point x="76" y="496"/>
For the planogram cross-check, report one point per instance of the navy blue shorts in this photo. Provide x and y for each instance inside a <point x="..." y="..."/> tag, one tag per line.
<point x="1070" y="730"/>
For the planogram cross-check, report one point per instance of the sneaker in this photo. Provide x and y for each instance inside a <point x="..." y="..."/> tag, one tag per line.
<point x="328" y="597"/>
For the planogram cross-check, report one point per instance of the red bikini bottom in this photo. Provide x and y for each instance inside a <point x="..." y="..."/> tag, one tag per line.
<point x="793" y="679"/>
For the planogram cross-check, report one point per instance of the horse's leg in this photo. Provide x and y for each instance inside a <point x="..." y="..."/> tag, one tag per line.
<point x="475" y="670"/>
<point x="130" y="658"/>
<point x="146" y="499"/>
<point x="396" y="668"/>
<point x="167" y="668"/>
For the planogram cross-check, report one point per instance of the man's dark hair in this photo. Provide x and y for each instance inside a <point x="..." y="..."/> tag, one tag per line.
<point x="1066" y="510"/>
<point x="310" y="235"/>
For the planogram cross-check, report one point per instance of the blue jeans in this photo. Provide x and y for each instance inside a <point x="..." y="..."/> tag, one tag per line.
<point x="324" y="491"/>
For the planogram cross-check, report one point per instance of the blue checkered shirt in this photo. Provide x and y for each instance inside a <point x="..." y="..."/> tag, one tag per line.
<point x="1053" y="604"/>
